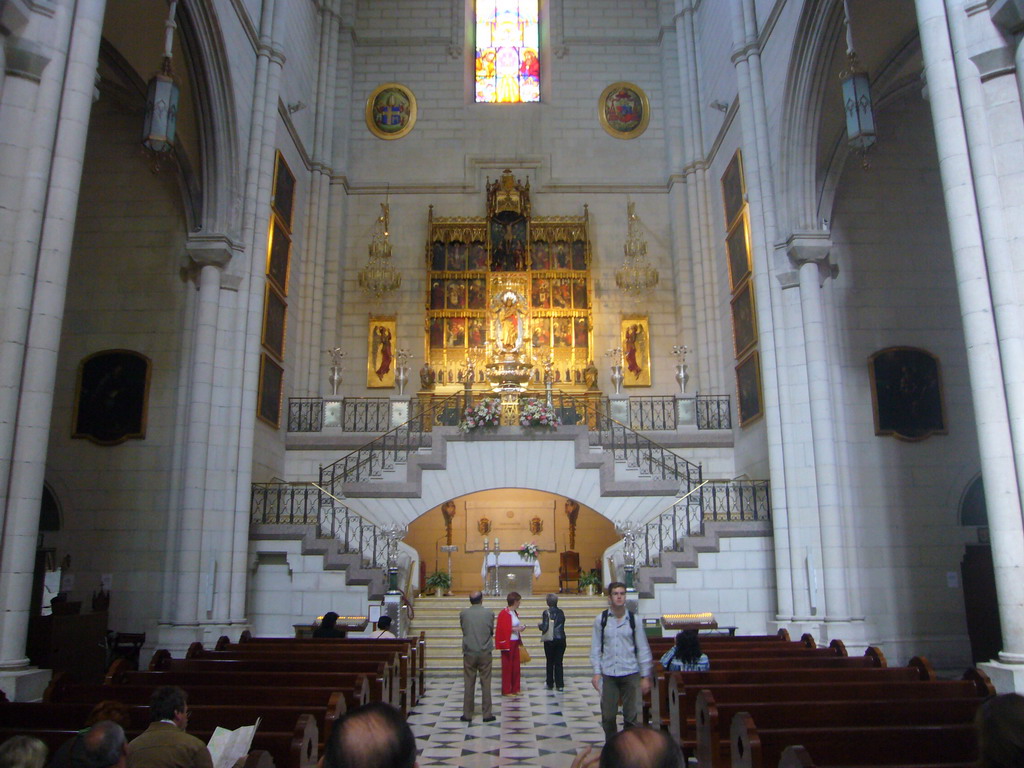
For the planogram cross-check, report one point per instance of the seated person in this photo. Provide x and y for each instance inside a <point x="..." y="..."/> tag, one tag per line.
<point x="685" y="656"/>
<point x="164" y="744"/>
<point x="23" y="752"/>
<point x="384" y="629"/>
<point x="1000" y="725"/>
<point x="327" y="628"/>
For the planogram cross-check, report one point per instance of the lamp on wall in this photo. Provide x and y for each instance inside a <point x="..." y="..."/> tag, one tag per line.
<point x="860" y="120"/>
<point x="379" y="276"/>
<point x="636" y="274"/>
<point x="162" y="99"/>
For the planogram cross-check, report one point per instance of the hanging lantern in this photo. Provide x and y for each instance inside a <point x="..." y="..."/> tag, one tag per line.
<point x="162" y="98"/>
<point x="860" y="120"/>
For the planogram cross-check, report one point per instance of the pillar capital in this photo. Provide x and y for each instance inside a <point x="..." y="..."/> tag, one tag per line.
<point x="210" y="250"/>
<point x="24" y="58"/>
<point x="14" y="16"/>
<point x="807" y="246"/>
<point x="1008" y="15"/>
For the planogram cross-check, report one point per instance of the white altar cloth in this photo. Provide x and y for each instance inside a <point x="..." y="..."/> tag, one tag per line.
<point x="508" y="558"/>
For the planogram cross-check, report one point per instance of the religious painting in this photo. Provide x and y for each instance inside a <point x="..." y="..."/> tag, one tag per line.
<point x="540" y="256"/>
<point x="435" y="330"/>
<point x="561" y="332"/>
<point x="748" y="389"/>
<point x="380" y="360"/>
<point x="111" y="395"/>
<point x="561" y="293"/>
<point x="282" y="198"/>
<point x="274" y="322"/>
<point x="477" y="256"/>
<point x="457" y="253"/>
<point x="580" y="328"/>
<point x="624" y="110"/>
<point x="636" y="351"/>
<point x="579" y="293"/>
<point x="477" y="293"/>
<point x="390" y="111"/>
<point x="541" y="332"/>
<point x="278" y="254"/>
<point x="437" y="261"/>
<point x="744" y="322"/>
<point x="906" y="393"/>
<point x="508" y="242"/>
<point x="540" y="297"/>
<point x="579" y="254"/>
<point x="560" y="256"/>
<point x="437" y="294"/>
<point x="271" y="391"/>
<point x="455" y="332"/>
<point x="733" y="188"/>
<point x="455" y="292"/>
<point x="476" y="332"/>
<point x="737" y="246"/>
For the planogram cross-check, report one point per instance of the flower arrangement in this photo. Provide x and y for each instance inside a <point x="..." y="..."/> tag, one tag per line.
<point x="528" y="551"/>
<point x="537" y="413"/>
<point x="486" y="413"/>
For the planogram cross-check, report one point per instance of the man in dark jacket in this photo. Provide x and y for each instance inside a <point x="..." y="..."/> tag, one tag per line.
<point x="165" y="744"/>
<point x="552" y="627"/>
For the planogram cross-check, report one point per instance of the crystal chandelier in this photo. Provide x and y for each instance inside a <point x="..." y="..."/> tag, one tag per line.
<point x="636" y="274"/>
<point x="379" y="276"/>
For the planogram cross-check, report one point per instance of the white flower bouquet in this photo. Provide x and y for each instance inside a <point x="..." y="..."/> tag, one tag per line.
<point x="486" y="413"/>
<point x="528" y="551"/>
<point x="537" y="413"/>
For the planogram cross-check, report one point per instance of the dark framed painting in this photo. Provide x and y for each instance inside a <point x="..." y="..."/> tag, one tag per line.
<point x="624" y="110"/>
<point x="906" y="393"/>
<point x="275" y="311"/>
<point x="737" y="247"/>
<point x="271" y="391"/>
<point x="279" y="254"/>
<point x="748" y="389"/>
<point x="733" y="188"/>
<point x="111" y="397"/>
<point x="744" y="321"/>
<point x="283" y="196"/>
<point x="390" y="111"/>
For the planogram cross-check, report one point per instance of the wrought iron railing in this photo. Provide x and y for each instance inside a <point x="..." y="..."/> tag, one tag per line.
<point x="305" y="414"/>
<point x="304" y="504"/>
<point x="714" y="411"/>
<point x="365" y="414"/>
<point x="653" y="412"/>
<point x="715" y="501"/>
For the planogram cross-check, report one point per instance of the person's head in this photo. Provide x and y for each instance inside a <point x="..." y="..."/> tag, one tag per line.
<point x="641" y="747"/>
<point x="110" y="710"/>
<point x="617" y="594"/>
<point x="329" y="620"/>
<point x="384" y="622"/>
<point x="371" y="736"/>
<point x="1000" y="724"/>
<point x="169" y="702"/>
<point x="513" y="599"/>
<point x="104" y="745"/>
<point x="476" y="598"/>
<point x="22" y="752"/>
<point x="552" y="599"/>
<point x="688" y="645"/>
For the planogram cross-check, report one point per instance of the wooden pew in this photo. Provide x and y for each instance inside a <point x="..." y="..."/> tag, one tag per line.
<point x="909" y="745"/>
<point x="827" y="706"/>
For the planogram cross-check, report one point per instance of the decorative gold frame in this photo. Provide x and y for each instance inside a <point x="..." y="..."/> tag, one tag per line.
<point x="602" y="111"/>
<point x="271" y="392"/>
<point x="275" y="321"/>
<point x="374" y="99"/>
<point x="915" y="376"/>
<point x="749" y="397"/>
<point x="282" y="198"/>
<point x="744" y="320"/>
<point x="734" y="189"/>
<point x="381" y="361"/>
<point x="737" y="251"/>
<point x="639" y="327"/>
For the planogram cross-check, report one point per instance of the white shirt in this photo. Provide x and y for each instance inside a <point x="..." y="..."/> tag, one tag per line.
<point x="619" y="657"/>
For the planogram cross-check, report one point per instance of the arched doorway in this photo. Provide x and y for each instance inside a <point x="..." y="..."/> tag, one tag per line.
<point x="980" y="603"/>
<point x="515" y="516"/>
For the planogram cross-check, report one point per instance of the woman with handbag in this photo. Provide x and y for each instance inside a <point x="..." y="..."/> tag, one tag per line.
<point x="552" y="627"/>
<point x="508" y="640"/>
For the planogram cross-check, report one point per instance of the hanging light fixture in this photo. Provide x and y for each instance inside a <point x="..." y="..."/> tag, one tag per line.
<point x="379" y="276"/>
<point x="860" y="120"/>
<point x="636" y="274"/>
<point x="162" y="99"/>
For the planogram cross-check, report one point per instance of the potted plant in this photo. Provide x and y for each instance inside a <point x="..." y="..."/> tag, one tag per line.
<point x="590" y="582"/>
<point x="439" y="581"/>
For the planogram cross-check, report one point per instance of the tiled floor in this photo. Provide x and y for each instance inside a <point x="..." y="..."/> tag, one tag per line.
<point x="537" y="728"/>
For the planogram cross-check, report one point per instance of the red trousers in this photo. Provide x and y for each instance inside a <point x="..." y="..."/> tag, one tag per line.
<point x="510" y="669"/>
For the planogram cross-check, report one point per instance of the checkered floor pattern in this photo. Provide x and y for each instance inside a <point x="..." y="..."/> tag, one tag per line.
<point x="537" y="728"/>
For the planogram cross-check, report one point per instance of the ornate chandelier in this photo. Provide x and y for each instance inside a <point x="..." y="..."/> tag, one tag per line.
<point x="379" y="276"/>
<point x="636" y="274"/>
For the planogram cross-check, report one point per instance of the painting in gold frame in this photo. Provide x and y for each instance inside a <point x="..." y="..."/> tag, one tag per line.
<point x="279" y="254"/>
<point x="744" y="321"/>
<point x="636" y="351"/>
<point x="737" y="247"/>
<point x="274" y="321"/>
<point x="390" y="111"/>
<point x="748" y="389"/>
<point x="283" y="194"/>
<point x="906" y="393"/>
<point x="112" y="397"/>
<point x="381" y="345"/>
<point x="733" y="188"/>
<point x="624" y="110"/>
<point x="271" y="391"/>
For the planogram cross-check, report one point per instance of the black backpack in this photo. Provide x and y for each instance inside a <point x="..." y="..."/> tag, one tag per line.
<point x="632" y="627"/>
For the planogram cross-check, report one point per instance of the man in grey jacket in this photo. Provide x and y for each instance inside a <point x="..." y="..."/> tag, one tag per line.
<point x="477" y="645"/>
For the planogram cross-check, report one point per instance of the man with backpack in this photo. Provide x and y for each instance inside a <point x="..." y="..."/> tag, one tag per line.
<point x="621" y="658"/>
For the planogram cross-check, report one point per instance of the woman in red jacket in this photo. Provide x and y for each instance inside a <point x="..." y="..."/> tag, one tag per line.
<point x="507" y="640"/>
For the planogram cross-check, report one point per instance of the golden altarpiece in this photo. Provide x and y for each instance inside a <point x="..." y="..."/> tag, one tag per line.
<point x="509" y="297"/>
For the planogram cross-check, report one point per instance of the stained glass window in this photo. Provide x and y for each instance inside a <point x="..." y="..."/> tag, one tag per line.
<point x="507" y="51"/>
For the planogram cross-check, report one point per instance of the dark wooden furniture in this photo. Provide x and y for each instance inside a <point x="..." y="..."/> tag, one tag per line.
<point x="568" y="569"/>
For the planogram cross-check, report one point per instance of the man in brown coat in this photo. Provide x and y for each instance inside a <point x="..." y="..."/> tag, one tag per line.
<point x="164" y="744"/>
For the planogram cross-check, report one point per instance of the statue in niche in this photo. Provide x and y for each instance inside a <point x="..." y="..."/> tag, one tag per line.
<point x="509" y="318"/>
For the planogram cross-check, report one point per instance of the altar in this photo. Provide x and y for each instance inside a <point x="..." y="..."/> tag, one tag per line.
<point x="515" y="574"/>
